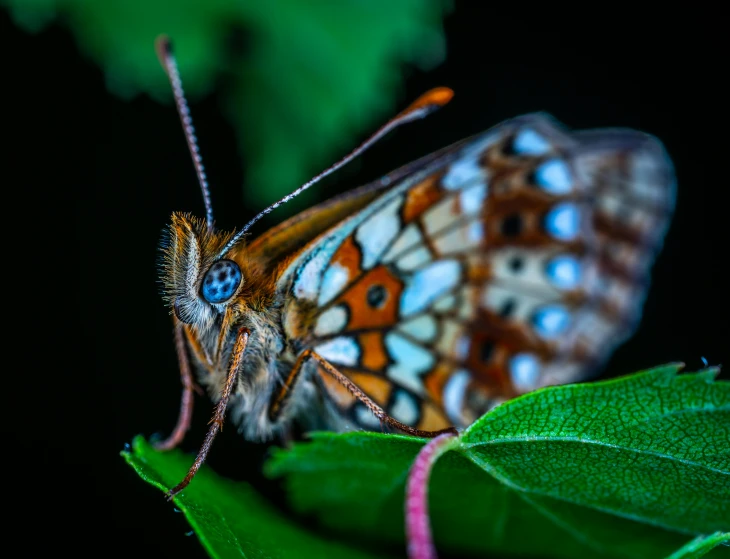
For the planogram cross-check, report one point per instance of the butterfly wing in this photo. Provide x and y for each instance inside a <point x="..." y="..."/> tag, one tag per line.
<point x="283" y="243"/>
<point x="515" y="259"/>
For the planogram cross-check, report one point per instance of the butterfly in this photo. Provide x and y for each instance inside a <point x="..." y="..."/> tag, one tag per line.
<point x="511" y="260"/>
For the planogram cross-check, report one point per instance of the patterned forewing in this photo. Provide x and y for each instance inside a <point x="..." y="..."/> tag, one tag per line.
<point x="517" y="260"/>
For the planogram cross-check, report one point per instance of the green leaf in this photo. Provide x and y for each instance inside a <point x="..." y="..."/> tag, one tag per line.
<point x="619" y="468"/>
<point x="310" y="76"/>
<point x="665" y="434"/>
<point x="230" y="518"/>
<point x="701" y="546"/>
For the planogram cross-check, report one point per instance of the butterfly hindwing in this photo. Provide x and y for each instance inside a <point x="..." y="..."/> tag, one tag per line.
<point x="515" y="259"/>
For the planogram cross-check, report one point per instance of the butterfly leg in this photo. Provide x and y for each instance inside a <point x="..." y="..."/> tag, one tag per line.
<point x="220" y="410"/>
<point x="372" y="406"/>
<point x="281" y="397"/>
<point x="186" y="401"/>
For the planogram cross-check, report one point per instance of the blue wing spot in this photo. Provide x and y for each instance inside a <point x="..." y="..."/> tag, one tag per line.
<point x="564" y="272"/>
<point x="563" y="222"/>
<point x="529" y="142"/>
<point x="428" y="284"/>
<point x="524" y="369"/>
<point x="553" y="176"/>
<point x="551" y="320"/>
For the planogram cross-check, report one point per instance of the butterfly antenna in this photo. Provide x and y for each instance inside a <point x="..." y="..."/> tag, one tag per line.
<point x="163" y="46"/>
<point x="421" y="107"/>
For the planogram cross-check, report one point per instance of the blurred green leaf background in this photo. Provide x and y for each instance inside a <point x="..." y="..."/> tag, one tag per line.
<point x="299" y="79"/>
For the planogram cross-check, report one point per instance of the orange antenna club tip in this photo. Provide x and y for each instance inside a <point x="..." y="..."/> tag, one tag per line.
<point x="432" y="99"/>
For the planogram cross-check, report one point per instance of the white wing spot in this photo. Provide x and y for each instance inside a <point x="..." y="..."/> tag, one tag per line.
<point x="428" y="284"/>
<point x="334" y="279"/>
<point x="472" y="199"/>
<point x="404" y="408"/>
<point x="440" y="215"/>
<point x="460" y="239"/>
<point x="466" y="168"/>
<point x="524" y="370"/>
<point x="409" y="237"/>
<point x="445" y="304"/>
<point x="422" y="328"/>
<point x="463" y="344"/>
<point x="462" y="172"/>
<point x="646" y="171"/>
<point x="414" y="259"/>
<point x="411" y="360"/>
<point x="306" y="285"/>
<point x="467" y="309"/>
<point x="377" y="232"/>
<point x="342" y="350"/>
<point x="331" y="321"/>
<point x="365" y="417"/>
<point x="475" y="234"/>
<point x="453" y="396"/>
<point x="450" y="338"/>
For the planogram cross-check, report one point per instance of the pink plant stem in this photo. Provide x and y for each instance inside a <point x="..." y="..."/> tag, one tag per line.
<point x="418" y="528"/>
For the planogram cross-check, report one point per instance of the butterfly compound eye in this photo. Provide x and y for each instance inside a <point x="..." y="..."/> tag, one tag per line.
<point x="221" y="281"/>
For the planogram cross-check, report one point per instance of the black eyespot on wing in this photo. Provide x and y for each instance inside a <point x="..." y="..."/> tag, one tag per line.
<point x="507" y="308"/>
<point x="516" y="264"/>
<point x="511" y="225"/>
<point x="376" y="296"/>
<point x="485" y="351"/>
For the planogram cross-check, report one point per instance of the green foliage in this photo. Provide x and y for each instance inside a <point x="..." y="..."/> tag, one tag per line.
<point x="307" y="77"/>
<point x="632" y="467"/>
<point x="231" y="519"/>
<point x="666" y="434"/>
<point x="702" y="545"/>
<point x="597" y="469"/>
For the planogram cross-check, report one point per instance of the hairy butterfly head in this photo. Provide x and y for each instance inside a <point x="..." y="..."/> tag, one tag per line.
<point x="200" y="279"/>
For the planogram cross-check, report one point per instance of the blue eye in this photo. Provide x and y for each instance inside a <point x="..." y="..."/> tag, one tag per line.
<point x="221" y="281"/>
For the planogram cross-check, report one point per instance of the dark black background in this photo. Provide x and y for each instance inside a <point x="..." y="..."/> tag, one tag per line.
<point x="98" y="177"/>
